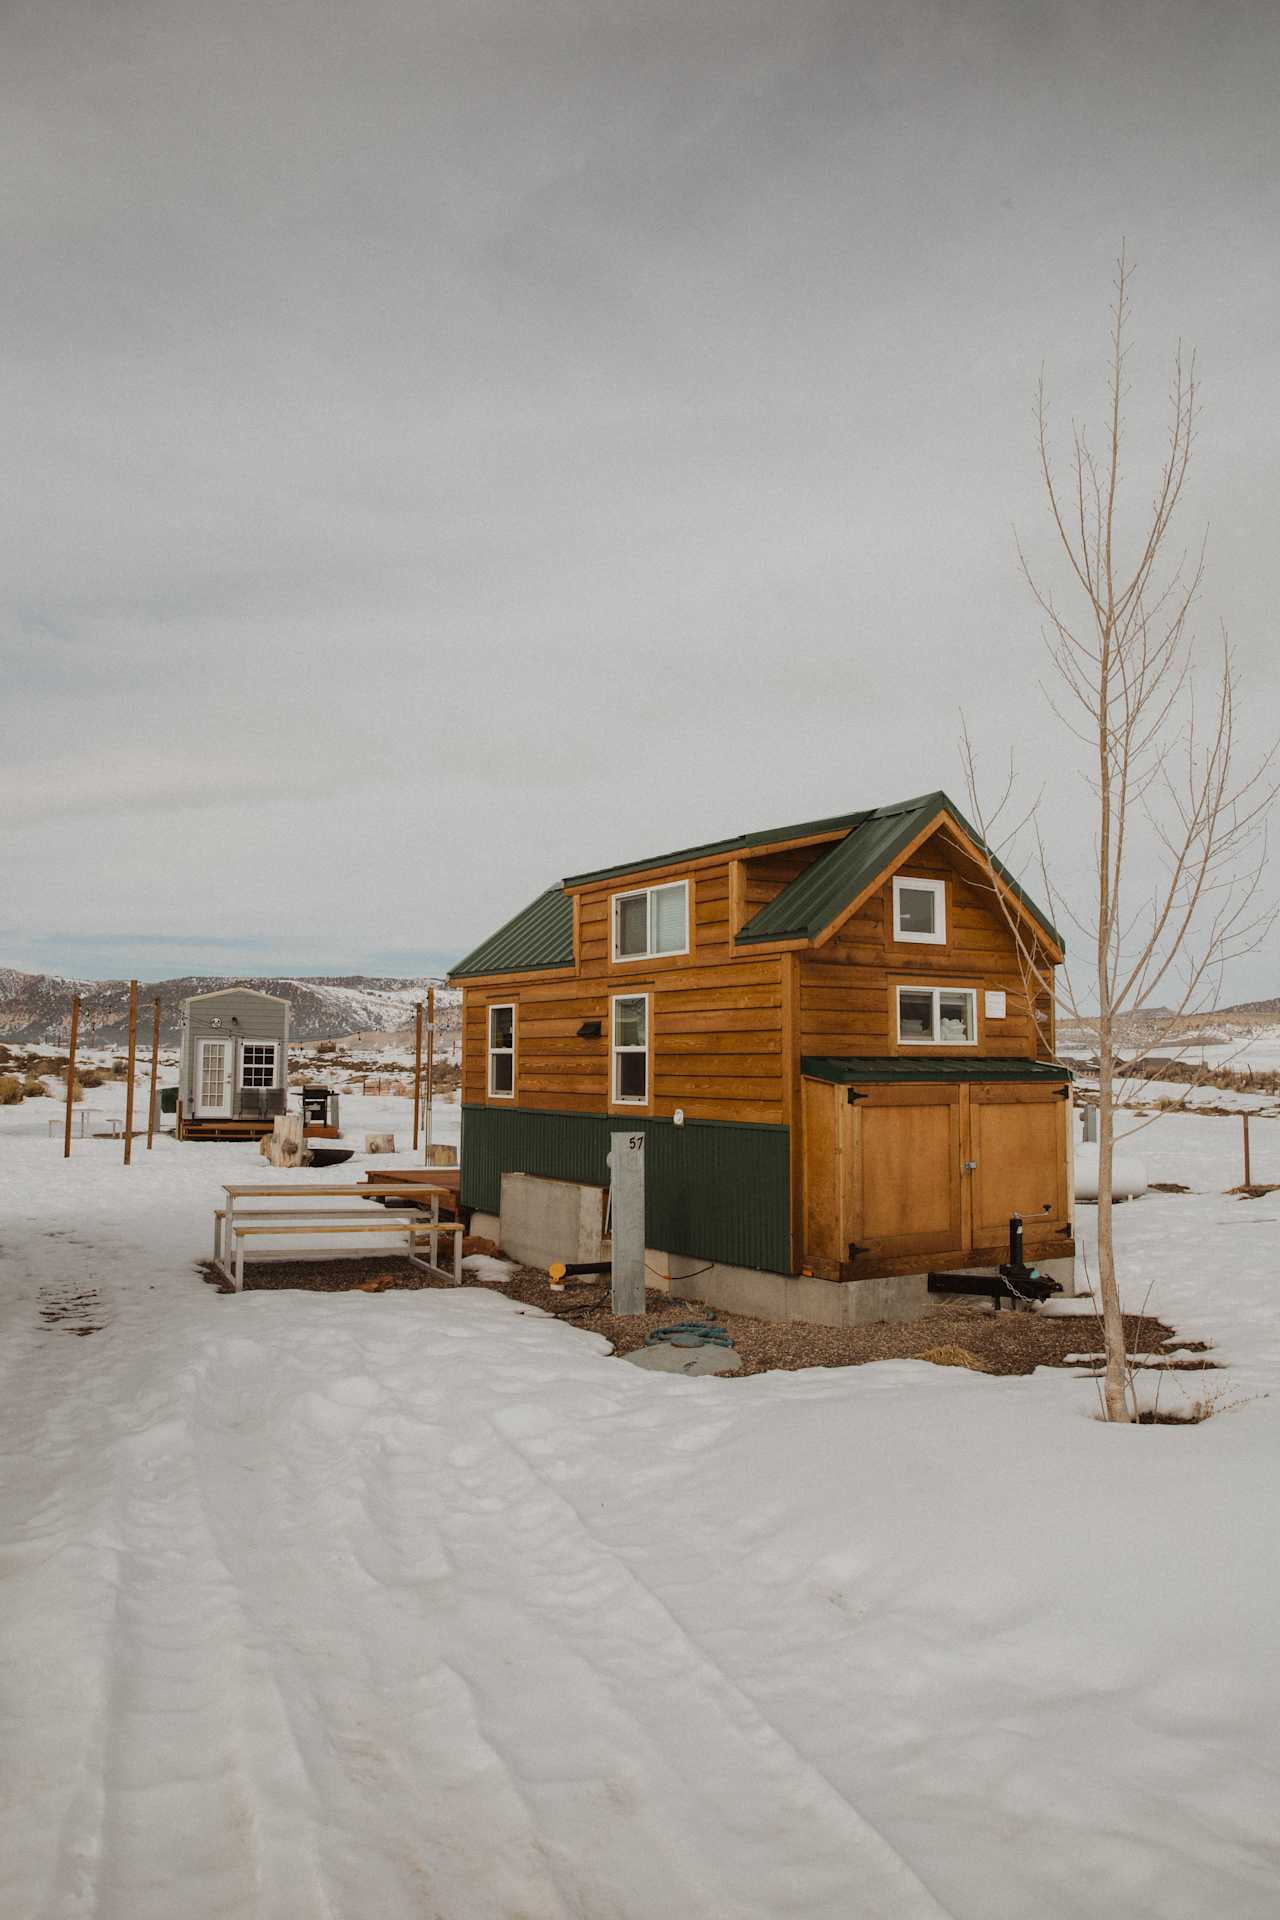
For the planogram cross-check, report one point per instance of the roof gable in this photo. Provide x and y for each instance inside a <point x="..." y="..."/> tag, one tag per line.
<point x="809" y="904"/>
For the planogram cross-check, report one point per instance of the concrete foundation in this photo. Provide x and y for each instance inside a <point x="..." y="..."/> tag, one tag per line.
<point x="546" y="1220"/>
<point x="778" y="1296"/>
<point x="1065" y="1271"/>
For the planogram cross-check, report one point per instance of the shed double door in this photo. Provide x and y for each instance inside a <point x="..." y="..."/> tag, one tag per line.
<point x="906" y="1172"/>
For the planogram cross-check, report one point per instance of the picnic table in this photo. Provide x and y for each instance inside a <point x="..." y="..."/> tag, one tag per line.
<point x="416" y="1216"/>
<point x="83" y="1114"/>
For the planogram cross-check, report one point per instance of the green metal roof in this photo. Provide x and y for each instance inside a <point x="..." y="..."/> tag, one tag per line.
<point x="817" y="896"/>
<point x="852" y="1070"/>
<point x="541" y="936"/>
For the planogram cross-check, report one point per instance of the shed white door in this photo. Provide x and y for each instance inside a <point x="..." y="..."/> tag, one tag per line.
<point x="213" y="1079"/>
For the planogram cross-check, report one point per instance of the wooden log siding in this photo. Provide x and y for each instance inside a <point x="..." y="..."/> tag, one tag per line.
<point x="848" y="1003"/>
<point x="715" y="1041"/>
<point x="728" y="1025"/>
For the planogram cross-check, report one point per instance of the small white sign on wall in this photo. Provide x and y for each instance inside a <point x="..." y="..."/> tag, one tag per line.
<point x="993" y="1000"/>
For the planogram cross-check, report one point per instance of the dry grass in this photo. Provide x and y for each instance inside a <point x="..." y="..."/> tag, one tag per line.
<point x="34" y="1088"/>
<point x="1191" y="1416"/>
<point x="10" y="1090"/>
<point x="952" y="1356"/>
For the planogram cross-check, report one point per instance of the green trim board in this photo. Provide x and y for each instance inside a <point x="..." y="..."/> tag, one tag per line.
<point x="714" y="1190"/>
<point x="893" y="1068"/>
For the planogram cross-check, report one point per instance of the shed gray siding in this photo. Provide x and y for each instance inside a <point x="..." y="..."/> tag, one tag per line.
<point x="259" y="1016"/>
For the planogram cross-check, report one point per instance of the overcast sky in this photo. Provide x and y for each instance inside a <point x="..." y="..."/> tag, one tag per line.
<point x="453" y="445"/>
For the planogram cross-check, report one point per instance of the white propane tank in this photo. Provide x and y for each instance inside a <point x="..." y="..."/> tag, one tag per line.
<point x="1128" y="1174"/>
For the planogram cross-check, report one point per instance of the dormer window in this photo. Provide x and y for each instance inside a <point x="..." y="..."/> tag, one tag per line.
<point x="651" y="921"/>
<point x="920" y="911"/>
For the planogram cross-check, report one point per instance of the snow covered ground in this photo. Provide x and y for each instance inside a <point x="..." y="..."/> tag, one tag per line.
<point x="416" y="1604"/>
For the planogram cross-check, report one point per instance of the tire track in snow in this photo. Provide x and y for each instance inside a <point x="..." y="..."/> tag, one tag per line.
<point x="336" y="1557"/>
<point x="867" y="1866"/>
<point x="168" y="1736"/>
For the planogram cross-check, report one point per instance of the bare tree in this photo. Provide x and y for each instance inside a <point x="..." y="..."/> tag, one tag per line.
<point x="1169" y="801"/>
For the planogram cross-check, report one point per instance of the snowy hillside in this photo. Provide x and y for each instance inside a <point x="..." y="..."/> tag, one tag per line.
<point x="36" y="1006"/>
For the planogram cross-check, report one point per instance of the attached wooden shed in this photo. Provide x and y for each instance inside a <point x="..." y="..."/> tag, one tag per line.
<point x="233" y="1071"/>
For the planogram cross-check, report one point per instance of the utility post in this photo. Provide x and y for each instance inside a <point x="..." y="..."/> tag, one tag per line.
<point x="71" y="1072"/>
<point x="155" y="1055"/>
<point x="626" y="1191"/>
<point x="133" y="1061"/>
<point x="431" y="1070"/>
<point x="417" y="1072"/>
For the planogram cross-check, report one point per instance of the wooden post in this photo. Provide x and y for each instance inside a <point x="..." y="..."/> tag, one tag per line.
<point x="155" y="1051"/>
<point x="417" y="1071"/>
<point x="1244" y="1119"/>
<point x="431" y="1066"/>
<point x="133" y="1062"/>
<point x="71" y="1072"/>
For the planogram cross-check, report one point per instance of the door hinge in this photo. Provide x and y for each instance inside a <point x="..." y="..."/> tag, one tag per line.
<point x="855" y="1250"/>
<point x="853" y="1095"/>
<point x="1065" y="1231"/>
<point x="1064" y="1091"/>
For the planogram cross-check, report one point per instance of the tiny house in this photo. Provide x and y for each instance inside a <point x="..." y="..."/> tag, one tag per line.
<point x="233" y="1067"/>
<point x="837" y="1037"/>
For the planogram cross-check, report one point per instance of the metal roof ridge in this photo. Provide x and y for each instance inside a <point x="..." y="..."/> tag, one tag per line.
<point x="834" y="824"/>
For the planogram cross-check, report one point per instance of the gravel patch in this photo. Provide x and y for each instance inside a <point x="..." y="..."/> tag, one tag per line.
<point x="1001" y="1343"/>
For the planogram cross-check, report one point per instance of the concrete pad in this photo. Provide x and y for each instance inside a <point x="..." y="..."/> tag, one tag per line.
<point x="664" y="1358"/>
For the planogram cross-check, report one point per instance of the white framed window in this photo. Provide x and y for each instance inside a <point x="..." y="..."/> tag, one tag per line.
<point x="651" y="921"/>
<point x="920" y="910"/>
<point x="937" y="1017"/>
<point x="258" y="1063"/>
<point x="629" y="1043"/>
<point x="501" y="1041"/>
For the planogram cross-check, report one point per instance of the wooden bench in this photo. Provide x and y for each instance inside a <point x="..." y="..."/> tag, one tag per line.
<point x="418" y="1217"/>
<point x="410" y="1231"/>
<point x="260" y="1216"/>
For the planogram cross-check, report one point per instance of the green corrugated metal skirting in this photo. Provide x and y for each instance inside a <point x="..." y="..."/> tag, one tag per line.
<point x="847" y="1070"/>
<point x="713" y="1191"/>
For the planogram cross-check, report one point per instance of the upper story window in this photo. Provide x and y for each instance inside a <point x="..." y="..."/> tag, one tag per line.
<point x="920" y="910"/>
<point x="653" y="920"/>
<point x="258" y="1063"/>
<point x="501" y="1080"/>
<point x="937" y="1017"/>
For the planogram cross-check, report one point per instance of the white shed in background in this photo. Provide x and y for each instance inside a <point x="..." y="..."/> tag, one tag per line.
<point x="233" y="1074"/>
